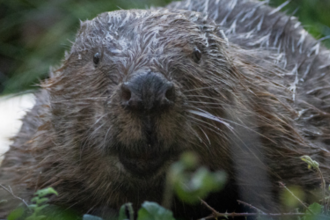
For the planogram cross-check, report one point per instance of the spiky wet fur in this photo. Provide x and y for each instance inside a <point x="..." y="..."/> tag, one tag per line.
<point x="258" y="99"/>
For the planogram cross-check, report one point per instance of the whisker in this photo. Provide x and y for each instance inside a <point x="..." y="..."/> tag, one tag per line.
<point x="233" y="131"/>
<point x="88" y="131"/>
<point x="204" y="103"/>
<point x="206" y="125"/>
<point x="80" y="99"/>
<point x="203" y="96"/>
<point x="201" y="88"/>
<point x="199" y="138"/>
<point x="106" y="135"/>
<point x="224" y="121"/>
<point x="210" y="116"/>
<point x="207" y="137"/>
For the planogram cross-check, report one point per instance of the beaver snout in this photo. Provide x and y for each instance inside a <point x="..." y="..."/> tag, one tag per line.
<point x="147" y="92"/>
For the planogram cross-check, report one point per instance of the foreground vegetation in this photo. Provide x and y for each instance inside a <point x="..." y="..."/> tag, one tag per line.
<point x="191" y="184"/>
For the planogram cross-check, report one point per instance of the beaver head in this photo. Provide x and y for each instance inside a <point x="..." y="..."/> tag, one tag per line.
<point x="141" y="86"/>
<point x="134" y="89"/>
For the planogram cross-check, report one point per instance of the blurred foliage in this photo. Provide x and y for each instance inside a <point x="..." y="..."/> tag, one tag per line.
<point x="35" y="34"/>
<point x="186" y="178"/>
<point x="191" y="182"/>
<point x="153" y="211"/>
<point x="313" y="14"/>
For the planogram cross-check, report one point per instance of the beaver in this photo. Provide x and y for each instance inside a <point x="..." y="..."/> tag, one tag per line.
<point x="238" y="82"/>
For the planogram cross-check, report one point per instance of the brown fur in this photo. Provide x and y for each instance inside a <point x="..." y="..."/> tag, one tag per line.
<point x="239" y="107"/>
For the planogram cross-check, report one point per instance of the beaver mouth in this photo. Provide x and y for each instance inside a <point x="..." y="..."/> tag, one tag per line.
<point x="144" y="164"/>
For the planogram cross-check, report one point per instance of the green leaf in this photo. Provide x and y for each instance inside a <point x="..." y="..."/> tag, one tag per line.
<point x="32" y="206"/>
<point x="122" y="212"/>
<point x="2" y="201"/>
<point x="316" y="208"/>
<point x="46" y="191"/>
<point x="153" y="211"/>
<point x="15" y="214"/>
<point x="34" y="217"/>
<point x="190" y="188"/>
<point x="189" y="159"/>
<point x="311" y="163"/>
<point x="91" y="217"/>
<point x="39" y="208"/>
<point x="39" y="200"/>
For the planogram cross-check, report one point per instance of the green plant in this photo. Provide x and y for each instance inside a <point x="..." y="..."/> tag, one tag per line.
<point x="191" y="182"/>
<point x="38" y="204"/>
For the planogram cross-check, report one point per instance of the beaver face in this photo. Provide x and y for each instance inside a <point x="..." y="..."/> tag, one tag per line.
<point x="129" y="78"/>
<point x="141" y="108"/>
<point x="147" y="105"/>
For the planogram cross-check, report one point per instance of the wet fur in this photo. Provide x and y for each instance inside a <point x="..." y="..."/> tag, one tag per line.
<point x="258" y="99"/>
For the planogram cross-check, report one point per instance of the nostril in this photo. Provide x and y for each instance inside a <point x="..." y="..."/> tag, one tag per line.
<point x="147" y="93"/>
<point x="170" y="93"/>
<point x="129" y="98"/>
<point x="126" y="93"/>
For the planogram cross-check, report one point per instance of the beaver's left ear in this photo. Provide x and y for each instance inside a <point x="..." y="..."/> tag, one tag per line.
<point x="212" y="31"/>
<point x="205" y="24"/>
<point x="215" y="39"/>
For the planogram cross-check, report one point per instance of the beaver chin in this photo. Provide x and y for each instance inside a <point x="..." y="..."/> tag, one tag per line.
<point x="146" y="163"/>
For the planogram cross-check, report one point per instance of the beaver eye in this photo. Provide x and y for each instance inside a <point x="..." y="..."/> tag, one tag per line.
<point x="96" y="58"/>
<point x="197" y="55"/>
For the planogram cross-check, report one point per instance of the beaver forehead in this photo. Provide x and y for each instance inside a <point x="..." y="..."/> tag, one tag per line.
<point x="121" y="30"/>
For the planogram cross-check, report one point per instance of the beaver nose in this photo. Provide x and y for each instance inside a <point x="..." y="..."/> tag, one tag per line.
<point x="147" y="92"/>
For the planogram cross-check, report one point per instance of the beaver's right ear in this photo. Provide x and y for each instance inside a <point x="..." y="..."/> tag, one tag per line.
<point x="83" y="26"/>
<point x="205" y="25"/>
<point x="81" y="36"/>
<point x="199" y="19"/>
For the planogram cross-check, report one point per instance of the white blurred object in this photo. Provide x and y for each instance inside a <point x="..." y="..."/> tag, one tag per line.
<point x="12" y="110"/>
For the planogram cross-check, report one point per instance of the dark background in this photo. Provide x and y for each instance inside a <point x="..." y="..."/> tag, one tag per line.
<point x="35" y="33"/>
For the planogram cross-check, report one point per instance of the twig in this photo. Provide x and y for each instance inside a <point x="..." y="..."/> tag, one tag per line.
<point x="215" y="214"/>
<point x="294" y="196"/>
<point x="322" y="180"/>
<point x="209" y="207"/>
<point x="323" y="188"/>
<point x="234" y="214"/>
<point x="168" y="192"/>
<point x="9" y="190"/>
<point x="251" y="206"/>
<point x="315" y="165"/>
